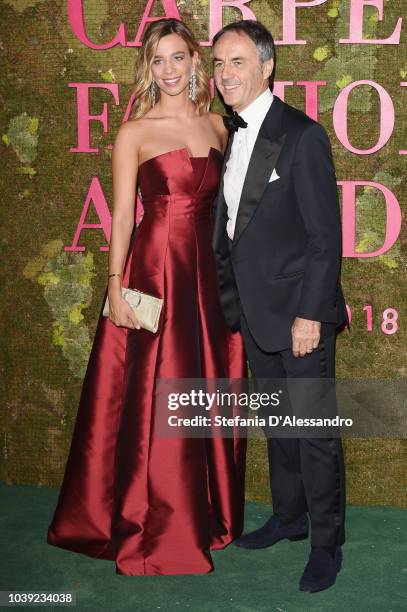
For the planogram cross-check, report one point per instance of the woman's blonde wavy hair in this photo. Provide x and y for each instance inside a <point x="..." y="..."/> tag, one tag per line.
<point x="141" y="86"/>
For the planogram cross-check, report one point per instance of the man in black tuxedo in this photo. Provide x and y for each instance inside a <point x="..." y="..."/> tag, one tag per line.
<point x="277" y="241"/>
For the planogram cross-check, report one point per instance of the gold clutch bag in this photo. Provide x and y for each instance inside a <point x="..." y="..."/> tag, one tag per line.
<point x="147" y="308"/>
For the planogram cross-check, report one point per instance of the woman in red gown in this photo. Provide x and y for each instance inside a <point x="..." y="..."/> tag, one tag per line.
<point x="156" y="505"/>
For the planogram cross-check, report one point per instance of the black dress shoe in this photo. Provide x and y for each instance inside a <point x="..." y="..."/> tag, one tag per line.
<point x="321" y="570"/>
<point x="274" y="531"/>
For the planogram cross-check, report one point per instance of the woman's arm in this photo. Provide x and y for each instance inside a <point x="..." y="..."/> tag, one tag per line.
<point x="124" y="168"/>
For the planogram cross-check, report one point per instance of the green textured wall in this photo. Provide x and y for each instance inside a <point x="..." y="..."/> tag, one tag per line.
<point x="51" y="298"/>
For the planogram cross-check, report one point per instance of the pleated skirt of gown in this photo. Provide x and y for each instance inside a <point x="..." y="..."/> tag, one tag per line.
<point x="156" y="505"/>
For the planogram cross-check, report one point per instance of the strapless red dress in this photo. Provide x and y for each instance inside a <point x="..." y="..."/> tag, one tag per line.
<point x="155" y="505"/>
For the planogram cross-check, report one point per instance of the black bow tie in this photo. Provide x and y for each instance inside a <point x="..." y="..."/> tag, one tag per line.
<point x="234" y="122"/>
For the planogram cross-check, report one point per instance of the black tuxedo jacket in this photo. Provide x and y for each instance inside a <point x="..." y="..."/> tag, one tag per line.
<point x="285" y="257"/>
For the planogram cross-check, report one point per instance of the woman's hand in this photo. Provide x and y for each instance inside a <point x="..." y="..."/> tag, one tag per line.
<point x="120" y="311"/>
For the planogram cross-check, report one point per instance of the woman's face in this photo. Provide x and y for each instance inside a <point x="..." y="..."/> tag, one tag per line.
<point x="172" y="65"/>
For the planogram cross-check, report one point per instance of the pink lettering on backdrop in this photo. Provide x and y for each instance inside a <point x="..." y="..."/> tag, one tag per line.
<point x="386" y="122"/>
<point x="212" y="87"/>
<point x="129" y="106"/>
<point x="95" y="195"/>
<point x="311" y="97"/>
<point x="279" y="88"/>
<point x="84" y="117"/>
<point x="393" y="217"/>
<point x="170" y="10"/>
<point x="77" y="22"/>
<point x="290" y="20"/>
<point x="356" y="25"/>
<point x="216" y="14"/>
<point x="393" y="221"/>
<point x="311" y="94"/>
<point x="139" y="210"/>
<point x="403" y="151"/>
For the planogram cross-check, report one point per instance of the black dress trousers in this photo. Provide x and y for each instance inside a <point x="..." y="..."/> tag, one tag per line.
<point x="306" y="474"/>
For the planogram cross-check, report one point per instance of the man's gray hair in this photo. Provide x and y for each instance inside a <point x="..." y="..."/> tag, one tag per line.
<point x="258" y="33"/>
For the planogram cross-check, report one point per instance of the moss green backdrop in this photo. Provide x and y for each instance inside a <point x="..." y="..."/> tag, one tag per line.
<point x="51" y="297"/>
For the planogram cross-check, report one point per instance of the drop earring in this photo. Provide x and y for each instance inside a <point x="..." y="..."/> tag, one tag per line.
<point x="192" y="87"/>
<point x="153" y="92"/>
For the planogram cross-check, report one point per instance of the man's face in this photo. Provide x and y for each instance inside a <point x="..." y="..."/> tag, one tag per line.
<point x="238" y="74"/>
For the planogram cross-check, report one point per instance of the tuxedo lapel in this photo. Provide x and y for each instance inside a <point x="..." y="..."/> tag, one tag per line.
<point x="221" y="208"/>
<point x="264" y="157"/>
<point x="225" y="161"/>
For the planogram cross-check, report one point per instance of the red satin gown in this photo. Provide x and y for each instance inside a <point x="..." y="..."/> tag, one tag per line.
<point x="155" y="505"/>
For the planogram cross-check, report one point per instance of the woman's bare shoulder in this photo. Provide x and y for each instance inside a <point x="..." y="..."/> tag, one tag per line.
<point x="217" y="121"/>
<point x="132" y="130"/>
<point x="130" y="136"/>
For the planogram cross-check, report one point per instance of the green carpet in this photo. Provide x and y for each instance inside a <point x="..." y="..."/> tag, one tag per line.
<point x="373" y="577"/>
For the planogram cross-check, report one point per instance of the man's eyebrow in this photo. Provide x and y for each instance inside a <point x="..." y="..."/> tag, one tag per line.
<point x="234" y="59"/>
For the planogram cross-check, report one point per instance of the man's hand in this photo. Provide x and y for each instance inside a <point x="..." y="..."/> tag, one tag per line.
<point x="306" y="334"/>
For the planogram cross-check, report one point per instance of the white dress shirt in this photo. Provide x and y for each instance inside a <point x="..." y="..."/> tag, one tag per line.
<point x="240" y="154"/>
